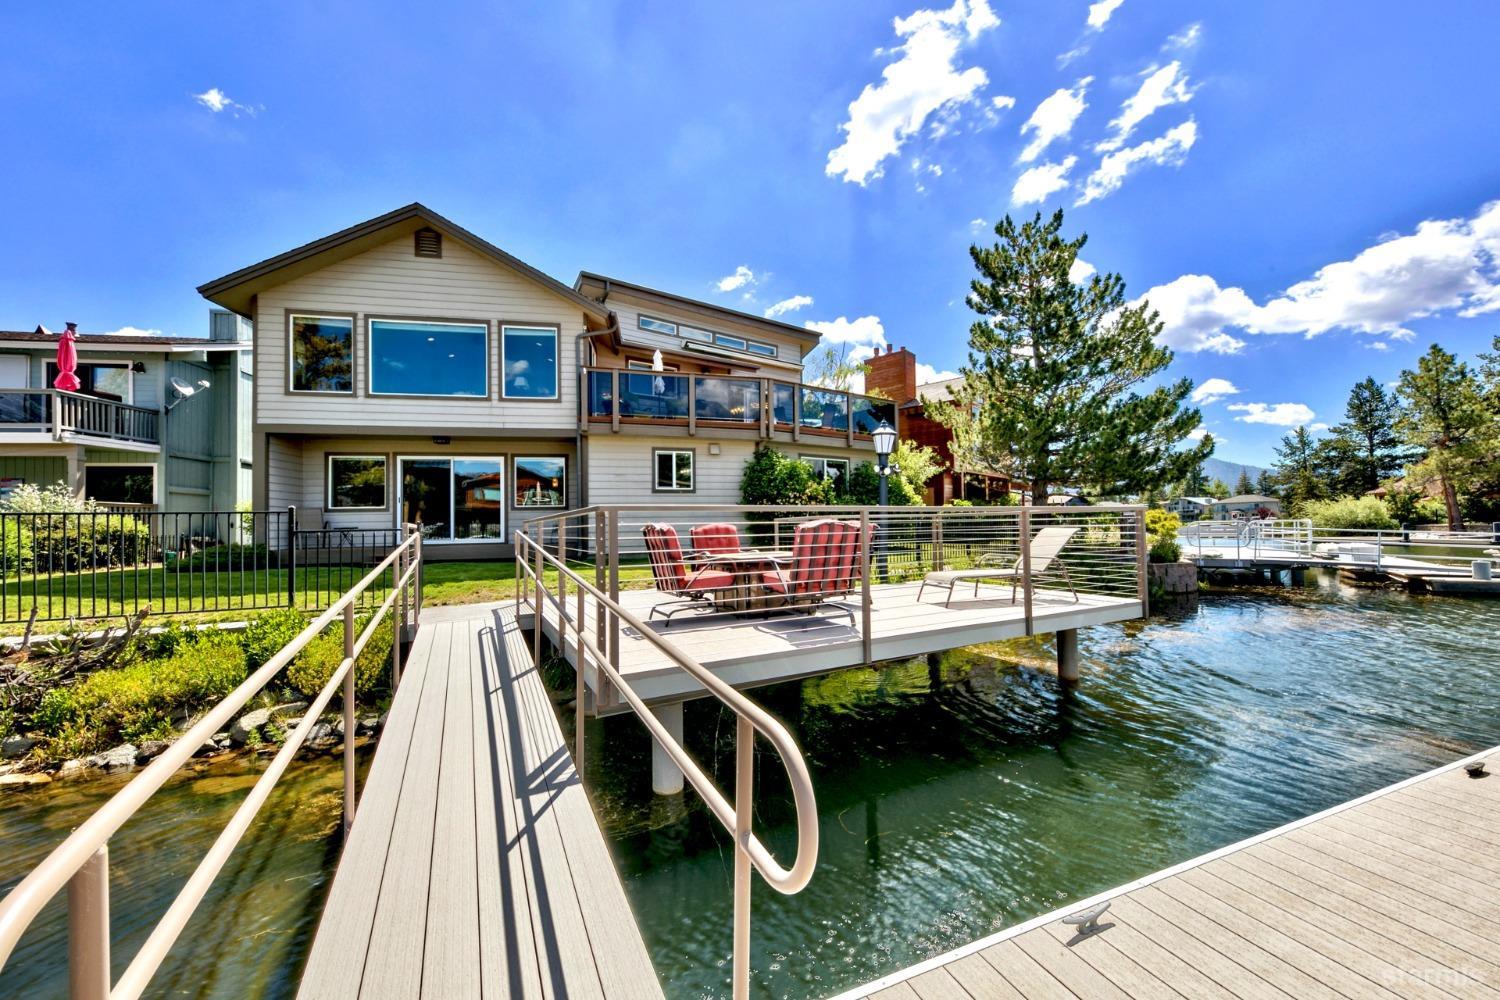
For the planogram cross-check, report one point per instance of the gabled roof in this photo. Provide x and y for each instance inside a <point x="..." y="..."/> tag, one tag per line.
<point x="234" y="291"/>
<point x="698" y="306"/>
<point x="118" y="342"/>
<point x="1249" y="498"/>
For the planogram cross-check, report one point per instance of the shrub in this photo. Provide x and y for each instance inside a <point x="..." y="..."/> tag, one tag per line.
<point x="268" y="634"/>
<point x="1349" y="512"/>
<point x="321" y="657"/>
<point x="1161" y="536"/>
<point x="772" y="478"/>
<point x="960" y="503"/>
<point x="864" y="488"/>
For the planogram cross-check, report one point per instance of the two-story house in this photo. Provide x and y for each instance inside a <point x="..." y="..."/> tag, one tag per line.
<point x="156" y="422"/>
<point x="409" y="371"/>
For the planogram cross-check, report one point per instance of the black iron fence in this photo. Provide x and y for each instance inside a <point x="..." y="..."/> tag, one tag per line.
<point x="115" y="561"/>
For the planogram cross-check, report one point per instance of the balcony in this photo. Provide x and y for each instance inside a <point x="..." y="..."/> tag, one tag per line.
<point x="68" y="416"/>
<point x="760" y="407"/>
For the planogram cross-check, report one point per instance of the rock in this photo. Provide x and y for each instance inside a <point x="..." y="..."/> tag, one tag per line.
<point x="16" y="746"/>
<point x="24" y="780"/>
<point x="73" y="766"/>
<point x="208" y="747"/>
<point x="151" y="749"/>
<point x="291" y="708"/>
<point x="322" y="732"/>
<point x="248" y="723"/>
<point x="120" y="757"/>
<point x="367" y="724"/>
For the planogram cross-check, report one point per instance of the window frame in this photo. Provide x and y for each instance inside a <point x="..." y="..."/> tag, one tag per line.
<point x="292" y="315"/>
<point x="692" y="454"/>
<point x="515" y="479"/>
<point x="825" y="459"/>
<point x="328" y="460"/>
<point x="653" y="324"/>
<point x="50" y="372"/>
<point x="155" y="481"/>
<point x="471" y="324"/>
<point x="397" y="498"/>
<point x="556" y="332"/>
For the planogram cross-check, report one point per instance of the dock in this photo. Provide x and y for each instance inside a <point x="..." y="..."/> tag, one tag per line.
<point x="1393" y="895"/>
<point x="475" y="866"/>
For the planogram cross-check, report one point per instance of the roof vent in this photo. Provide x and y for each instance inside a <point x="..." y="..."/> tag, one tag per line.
<point x="429" y="243"/>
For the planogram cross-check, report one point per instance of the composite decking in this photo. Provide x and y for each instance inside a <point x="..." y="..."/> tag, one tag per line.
<point x="1394" y="895"/>
<point x="475" y="867"/>
<point x="755" y="649"/>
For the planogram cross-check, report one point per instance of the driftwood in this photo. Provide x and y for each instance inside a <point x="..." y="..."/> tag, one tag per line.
<point x="34" y="667"/>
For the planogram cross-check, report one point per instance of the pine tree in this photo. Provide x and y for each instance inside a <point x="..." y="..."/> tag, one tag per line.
<point x="1265" y="484"/>
<point x="1296" y="469"/>
<point x="1445" y="412"/>
<point x="1243" y="486"/>
<point x="1365" y="448"/>
<point x="1056" y="370"/>
<point x="1218" y="488"/>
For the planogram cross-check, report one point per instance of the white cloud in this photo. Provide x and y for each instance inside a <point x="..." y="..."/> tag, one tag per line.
<point x="1318" y="427"/>
<point x="216" y="101"/>
<point x="1054" y="117"/>
<point x="1200" y="432"/>
<point x="1101" y="12"/>
<point x="1445" y="265"/>
<point x="1377" y="345"/>
<point x="741" y="277"/>
<point x="788" y="305"/>
<point x="1212" y="390"/>
<point x="1081" y="270"/>
<point x="1002" y="102"/>
<point x="977" y="224"/>
<point x="1275" y="414"/>
<point x="1161" y="88"/>
<point x="860" y="335"/>
<point x="925" y="80"/>
<point x="1187" y="38"/>
<point x="1041" y="181"/>
<point x="927" y="374"/>
<point x="1170" y="148"/>
<point x="132" y="331"/>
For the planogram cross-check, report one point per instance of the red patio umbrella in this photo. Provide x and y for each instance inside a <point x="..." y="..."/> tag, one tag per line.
<point x="67" y="360"/>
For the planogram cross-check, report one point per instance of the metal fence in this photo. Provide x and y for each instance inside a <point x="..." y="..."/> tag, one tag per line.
<point x="116" y="561"/>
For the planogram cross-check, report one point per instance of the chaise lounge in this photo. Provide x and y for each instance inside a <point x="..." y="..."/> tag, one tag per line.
<point x="1045" y="546"/>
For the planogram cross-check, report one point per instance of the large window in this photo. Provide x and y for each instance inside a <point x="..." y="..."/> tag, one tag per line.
<point x="107" y="380"/>
<point x="411" y="358"/>
<point x="356" y="482"/>
<point x="123" y="484"/>
<point x="541" y="482"/>
<point x="833" y="470"/>
<point x="454" y="499"/>
<point x="529" y="360"/>
<point x="322" y="353"/>
<point x="674" y="471"/>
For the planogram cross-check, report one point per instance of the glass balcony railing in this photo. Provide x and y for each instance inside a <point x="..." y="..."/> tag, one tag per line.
<point x="824" y="409"/>
<point x="867" y="413"/>
<point x="728" y="400"/>
<point x="642" y="395"/>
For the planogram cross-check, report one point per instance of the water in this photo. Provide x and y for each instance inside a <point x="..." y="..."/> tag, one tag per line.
<point x="956" y="802"/>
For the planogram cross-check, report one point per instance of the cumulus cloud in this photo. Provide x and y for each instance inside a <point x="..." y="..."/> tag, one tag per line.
<point x="977" y="224"/>
<point x="861" y="336"/>
<point x="1445" y="265"/>
<point x="1101" y="12"/>
<point x="1053" y="118"/>
<point x="1187" y="38"/>
<point x="1275" y="414"/>
<point x="1041" y="182"/>
<point x="927" y="374"/>
<point x="788" y="305"/>
<point x="217" y="101"/>
<point x="1200" y="432"/>
<point x="741" y="277"/>
<point x="1081" y="270"/>
<point x="1170" y="148"/>
<point x="132" y="331"/>
<point x="924" y="81"/>
<point x="1160" y="88"/>
<point x="1212" y="390"/>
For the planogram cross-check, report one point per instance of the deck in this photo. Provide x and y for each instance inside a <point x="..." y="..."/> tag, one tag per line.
<point x="475" y="867"/>
<point x="1393" y="895"/>
<point x="757" y="649"/>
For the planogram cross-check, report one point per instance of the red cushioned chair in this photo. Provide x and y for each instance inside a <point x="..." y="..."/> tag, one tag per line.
<point x="825" y="564"/>
<point x="712" y="539"/>
<point x="672" y="577"/>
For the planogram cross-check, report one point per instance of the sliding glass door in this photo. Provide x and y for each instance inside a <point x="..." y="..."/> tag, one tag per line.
<point x="454" y="499"/>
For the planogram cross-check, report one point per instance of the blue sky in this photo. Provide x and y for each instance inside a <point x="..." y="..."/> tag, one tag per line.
<point x="1301" y="188"/>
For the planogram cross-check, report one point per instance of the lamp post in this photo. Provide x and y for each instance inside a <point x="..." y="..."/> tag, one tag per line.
<point x="885" y="443"/>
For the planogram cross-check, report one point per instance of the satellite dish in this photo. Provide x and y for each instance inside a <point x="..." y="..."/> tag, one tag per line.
<point x="182" y="388"/>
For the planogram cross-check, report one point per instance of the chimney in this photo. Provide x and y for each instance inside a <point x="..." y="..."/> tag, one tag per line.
<point x="894" y="373"/>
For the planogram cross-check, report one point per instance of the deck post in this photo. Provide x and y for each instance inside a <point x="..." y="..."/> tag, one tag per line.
<point x="88" y="929"/>
<point x="744" y="788"/>
<point x="536" y="628"/>
<point x="1067" y="656"/>
<point x="1026" y="564"/>
<point x="666" y="776"/>
<point x="580" y="694"/>
<point x="867" y="614"/>
<point x="599" y="638"/>
<point x="1141" y="586"/>
<point x="349" y="718"/>
<point x="604" y="693"/>
<point x="398" y="627"/>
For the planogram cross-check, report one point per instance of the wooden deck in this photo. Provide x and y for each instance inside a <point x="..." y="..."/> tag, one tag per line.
<point x="1394" y="895"/>
<point x="475" y="867"/>
<point x="752" y="650"/>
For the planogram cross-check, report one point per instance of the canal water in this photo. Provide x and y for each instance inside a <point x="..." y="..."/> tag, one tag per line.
<point x="954" y="800"/>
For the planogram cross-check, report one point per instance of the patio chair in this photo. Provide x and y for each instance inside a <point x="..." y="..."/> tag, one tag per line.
<point x="1045" y="547"/>
<point x="672" y="576"/>
<point x="826" y="564"/>
<point x="714" y="539"/>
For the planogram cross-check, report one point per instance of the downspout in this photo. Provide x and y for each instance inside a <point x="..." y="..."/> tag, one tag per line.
<point x="613" y="328"/>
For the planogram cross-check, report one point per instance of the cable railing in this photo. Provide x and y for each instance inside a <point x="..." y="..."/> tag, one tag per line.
<point x="81" y="862"/>
<point x="1298" y="540"/>
<point x="532" y="564"/>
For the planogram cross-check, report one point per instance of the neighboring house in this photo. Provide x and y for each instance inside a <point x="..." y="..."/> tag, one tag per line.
<point x="409" y="371"/>
<point x="1190" y="508"/>
<point x="127" y="437"/>
<point x="893" y="374"/>
<point x="1067" y="500"/>
<point x="1245" y="506"/>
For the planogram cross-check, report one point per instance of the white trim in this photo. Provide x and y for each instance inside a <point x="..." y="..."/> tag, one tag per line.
<point x="398" y="500"/>
<point x="328" y="503"/>
<point x="947" y="958"/>
<point x="556" y="360"/>
<point x="641" y="319"/>
<point x="515" y="478"/>
<point x="692" y="485"/>
<point x="370" y="322"/>
<point x="155" y="480"/>
<point x="291" y="360"/>
<point x="825" y="459"/>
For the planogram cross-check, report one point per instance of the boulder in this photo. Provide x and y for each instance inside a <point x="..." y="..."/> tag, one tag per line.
<point x="23" y="780"/>
<point x="119" y="758"/>
<point x="322" y="732"/>
<point x="151" y="749"/>
<point x="367" y="724"/>
<point x="73" y="766"/>
<point x="16" y="746"/>
<point x="295" y="709"/>
<point x="248" y="723"/>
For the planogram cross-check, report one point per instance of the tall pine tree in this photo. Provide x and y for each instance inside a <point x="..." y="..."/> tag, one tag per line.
<point x="1367" y="448"/>
<point x="1056" y="370"/>
<point x="1297" y="469"/>
<point x="1243" y="486"/>
<point x="1446" y="413"/>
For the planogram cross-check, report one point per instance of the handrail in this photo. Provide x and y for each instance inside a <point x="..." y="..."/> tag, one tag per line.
<point x="83" y="854"/>
<point x="751" y="718"/>
<point x="65" y="412"/>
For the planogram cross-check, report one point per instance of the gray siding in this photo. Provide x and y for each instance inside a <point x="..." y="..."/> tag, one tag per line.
<point x="621" y="468"/>
<point x="628" y="308"/>
<point x="38" y="470"/>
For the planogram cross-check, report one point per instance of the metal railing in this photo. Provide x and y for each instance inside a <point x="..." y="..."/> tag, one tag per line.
<point x="1298" y="540"/>
<point x="81" y="862"/>
<point x="64" y="414"/>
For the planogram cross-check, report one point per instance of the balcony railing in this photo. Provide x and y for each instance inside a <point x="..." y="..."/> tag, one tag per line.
<point x="65" y="414"/>
<point x="627" y="396"/>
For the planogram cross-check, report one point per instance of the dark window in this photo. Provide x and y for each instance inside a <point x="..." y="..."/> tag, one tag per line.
<point x="322" y="354"/>
<point x="674" y="471"/>
<point x="541" y="482"/>
<point x="356" y="482"/>
<point x="134" y="484"/>
<point x="428" y="359"/>
<point x="104" y="381"/>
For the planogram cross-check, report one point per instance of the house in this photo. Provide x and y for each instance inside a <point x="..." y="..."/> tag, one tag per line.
<point x="1190" y="508"/>
<point x="893" y="374"/>
<point x="410" y="371"/>
<point x="1245" y="506"/>
<point x="157" y="422"/>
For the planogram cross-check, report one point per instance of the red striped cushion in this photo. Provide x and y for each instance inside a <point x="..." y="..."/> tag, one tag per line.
<point x="717" y="537"/>
<point x="666" y="557"/>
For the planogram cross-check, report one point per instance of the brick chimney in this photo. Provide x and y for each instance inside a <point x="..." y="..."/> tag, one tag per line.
<point x="894" y="373"/>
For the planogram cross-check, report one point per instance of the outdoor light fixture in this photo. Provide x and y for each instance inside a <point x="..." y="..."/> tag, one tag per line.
<point x="183" y="390"/>
<point x="885" y="443"/>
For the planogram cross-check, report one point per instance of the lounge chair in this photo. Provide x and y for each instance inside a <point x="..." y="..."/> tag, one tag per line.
<point x="672" y="576"/>
<point x="715" y="538"/>
<point x="1045" y="546"/>
<point x="826" y="564"/>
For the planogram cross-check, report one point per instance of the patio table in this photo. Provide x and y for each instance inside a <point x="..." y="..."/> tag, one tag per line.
<point x="748" y="567"/>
